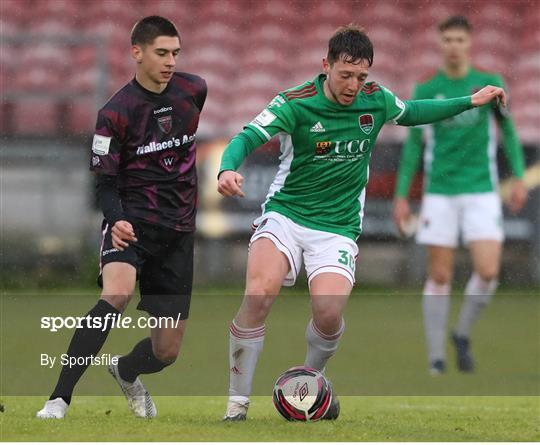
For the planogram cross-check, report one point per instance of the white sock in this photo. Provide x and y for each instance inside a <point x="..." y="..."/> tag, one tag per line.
<point x="320" y="347"/>
<point x="478" y="294"/>
<point x="436" y="305"/>
<point x="245" y="345"/>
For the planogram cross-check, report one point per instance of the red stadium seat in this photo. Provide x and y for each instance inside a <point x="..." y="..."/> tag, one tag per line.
<point x="50" y="55"/>
<point x="58" y="26"/>
<point x="17" y="11"/>
<point x="37" y="117"/>
<point x="57" y="9"/>
<point x="239" y="46"/>
<point x="85" y="81"/>
<point x="82" y="116"/>
<point x="38" y="79"/>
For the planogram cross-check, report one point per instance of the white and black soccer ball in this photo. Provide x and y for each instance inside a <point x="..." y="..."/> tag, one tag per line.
<point x="302" y="394"/>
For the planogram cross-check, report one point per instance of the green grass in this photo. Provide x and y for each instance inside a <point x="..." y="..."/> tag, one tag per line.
<point x="382" y="352"/>
<point x="379" y="372"/>
<point x="362" y="419"/>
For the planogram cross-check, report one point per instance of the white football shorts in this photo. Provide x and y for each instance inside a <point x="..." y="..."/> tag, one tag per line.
<point x="477" y="216"/>
<point x="321" y="251"/>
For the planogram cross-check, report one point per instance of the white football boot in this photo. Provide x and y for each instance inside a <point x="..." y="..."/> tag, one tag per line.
<point x="53" y="409"/>
<point x="139" y="400"/>
<point x="236" y="411"/>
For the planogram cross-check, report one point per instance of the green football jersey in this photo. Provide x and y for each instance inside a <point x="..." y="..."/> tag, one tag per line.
<point x="461" y="152"/>
<point x="325" y="152"/>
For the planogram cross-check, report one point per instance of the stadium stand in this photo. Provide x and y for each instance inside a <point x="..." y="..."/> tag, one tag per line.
<point x="241" y="46"/>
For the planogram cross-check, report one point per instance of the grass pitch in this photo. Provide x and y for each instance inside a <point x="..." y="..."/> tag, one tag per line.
<point x="379" y="372"/>
<point x="362" y="419"/>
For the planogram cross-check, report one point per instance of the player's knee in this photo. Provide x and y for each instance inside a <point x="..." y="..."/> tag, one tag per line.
<point x="166" y="354"/>
<point x="488" y="273"/>
<point x="441" y="277"/>
<point x="328" y="322"/>
<point x="259" y="303"/>
<point x="118" y="300"/>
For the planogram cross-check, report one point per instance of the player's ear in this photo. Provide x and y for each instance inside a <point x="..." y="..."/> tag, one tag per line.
<point x="325" y="65"/>
<point x="136" y="53"/>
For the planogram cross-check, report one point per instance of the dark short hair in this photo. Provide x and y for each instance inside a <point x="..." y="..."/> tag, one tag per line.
<point x="148" y="29"/>
<point x="351" y="44"/>
<point x="456" y="21"/>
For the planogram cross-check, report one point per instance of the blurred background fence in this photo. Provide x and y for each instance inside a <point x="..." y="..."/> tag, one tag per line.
<point x="61" y="59"/>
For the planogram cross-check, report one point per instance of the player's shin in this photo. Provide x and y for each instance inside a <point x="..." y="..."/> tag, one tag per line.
<point x="86" y="341"/>
<point x="320" y="346"/>
<point x="478" y="294"/>
<point x="436" y="305"/>
<point x="245" y="346"/>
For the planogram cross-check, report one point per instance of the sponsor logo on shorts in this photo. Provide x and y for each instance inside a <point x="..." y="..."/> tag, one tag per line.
<point x="106" y="252"/>
<point x="95" y="161"/>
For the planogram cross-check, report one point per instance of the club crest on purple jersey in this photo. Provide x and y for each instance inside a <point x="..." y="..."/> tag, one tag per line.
<point x="366" y="123"/>
<point x="165" y="123"/>
<point x="168" y="160"/>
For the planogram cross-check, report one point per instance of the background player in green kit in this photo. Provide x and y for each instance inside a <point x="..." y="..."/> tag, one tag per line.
<point x="313" y="211"/>
<point x="460" y="187"/>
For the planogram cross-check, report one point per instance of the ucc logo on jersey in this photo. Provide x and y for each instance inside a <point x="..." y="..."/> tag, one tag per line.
<point x="165" y="123"/>
<point x="337" y="151"/>
<point x="366" y="123"/>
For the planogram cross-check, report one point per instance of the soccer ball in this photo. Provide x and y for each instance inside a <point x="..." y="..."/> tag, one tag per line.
<point x="302" y="394"/>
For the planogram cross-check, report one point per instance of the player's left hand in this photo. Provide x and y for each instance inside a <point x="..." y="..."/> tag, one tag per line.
<point x="487" y="94"/>
<point x="518" y="196"/>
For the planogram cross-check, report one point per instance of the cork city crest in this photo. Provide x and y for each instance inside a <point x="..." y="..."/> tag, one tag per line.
<point x="366" y="123"/>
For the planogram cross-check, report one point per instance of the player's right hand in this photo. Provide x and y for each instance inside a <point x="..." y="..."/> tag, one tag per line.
<point x="402" y="214"/>
<point x="487" y="94"/>
<point x="121" y="233"/>
<point x="230" y="184"/>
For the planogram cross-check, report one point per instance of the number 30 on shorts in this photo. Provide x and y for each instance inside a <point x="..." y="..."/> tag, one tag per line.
<point x="347" y="259"/>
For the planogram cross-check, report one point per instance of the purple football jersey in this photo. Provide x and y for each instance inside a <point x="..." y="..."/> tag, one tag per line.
<point x="147" y="140"/>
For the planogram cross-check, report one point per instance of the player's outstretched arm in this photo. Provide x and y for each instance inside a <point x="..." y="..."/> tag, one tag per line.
<point x="427" y="111"/>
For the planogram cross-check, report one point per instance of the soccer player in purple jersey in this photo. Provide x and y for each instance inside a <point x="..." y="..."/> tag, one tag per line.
<point x="143" y="154"/>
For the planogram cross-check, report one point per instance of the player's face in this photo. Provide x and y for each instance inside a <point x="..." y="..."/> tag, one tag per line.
<point x="156" y="61"/>
<point x="344" y="80"/>
<point x="455" y="45"/>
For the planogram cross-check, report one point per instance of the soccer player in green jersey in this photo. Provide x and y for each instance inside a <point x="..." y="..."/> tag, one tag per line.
<point x="460" y="193"/>
<point x="314" y="208"/>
